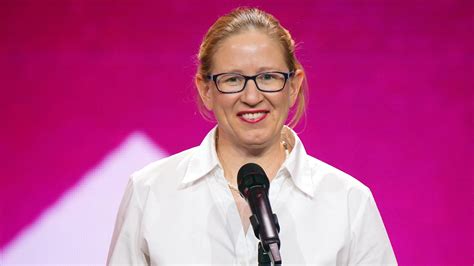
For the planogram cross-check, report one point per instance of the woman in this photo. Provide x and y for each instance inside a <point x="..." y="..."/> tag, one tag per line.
<point x="186" y="208"/>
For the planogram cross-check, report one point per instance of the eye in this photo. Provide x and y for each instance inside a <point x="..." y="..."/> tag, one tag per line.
<point x="270" y="77"/>
<point x="231" y="79"/>
<point x="267" y="76"/>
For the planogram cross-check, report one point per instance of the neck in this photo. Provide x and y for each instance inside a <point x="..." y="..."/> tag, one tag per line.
<point x="232" y="157"/>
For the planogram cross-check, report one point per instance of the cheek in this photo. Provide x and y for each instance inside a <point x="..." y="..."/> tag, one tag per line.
<point x="282" y="104"/>
<point x="284" y="101"/>
<point x="223" y="104"/>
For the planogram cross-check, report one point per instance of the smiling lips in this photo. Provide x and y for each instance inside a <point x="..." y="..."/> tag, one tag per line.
<point x="253" y="116"/>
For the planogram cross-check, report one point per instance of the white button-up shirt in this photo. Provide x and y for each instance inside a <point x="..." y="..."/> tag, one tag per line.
<point x="180" y="210"/>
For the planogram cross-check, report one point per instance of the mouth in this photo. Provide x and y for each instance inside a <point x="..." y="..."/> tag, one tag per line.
<point x="253" y="116"/>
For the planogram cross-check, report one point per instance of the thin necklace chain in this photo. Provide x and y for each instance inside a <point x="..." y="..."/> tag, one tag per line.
<point x="287" y="153"/>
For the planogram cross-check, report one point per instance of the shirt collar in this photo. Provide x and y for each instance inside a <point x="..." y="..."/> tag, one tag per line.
<point x="205" y="159"/>
<point x="298" y="166"/>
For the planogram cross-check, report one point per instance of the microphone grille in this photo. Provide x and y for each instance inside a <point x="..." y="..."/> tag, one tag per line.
<point x="251" y="175"/>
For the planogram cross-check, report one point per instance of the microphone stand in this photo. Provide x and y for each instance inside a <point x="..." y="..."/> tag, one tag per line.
<point x="263" y="258"/>
<point x="272" y="255"/>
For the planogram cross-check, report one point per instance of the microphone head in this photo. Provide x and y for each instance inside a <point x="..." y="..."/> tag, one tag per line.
<point x="251" y="175"/>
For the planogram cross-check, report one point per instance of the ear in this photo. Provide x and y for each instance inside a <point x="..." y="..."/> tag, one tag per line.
<point x="205" y="92"/>
<point x="295" y="85"/>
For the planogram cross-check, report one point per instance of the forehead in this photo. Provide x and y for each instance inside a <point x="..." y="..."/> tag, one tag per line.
<point x="248" y="52"/>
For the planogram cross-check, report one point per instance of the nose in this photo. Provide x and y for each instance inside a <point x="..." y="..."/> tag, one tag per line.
<point x="251" y="95"/>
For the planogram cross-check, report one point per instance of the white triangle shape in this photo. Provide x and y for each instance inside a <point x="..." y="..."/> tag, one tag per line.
<point x="77" y="229"/>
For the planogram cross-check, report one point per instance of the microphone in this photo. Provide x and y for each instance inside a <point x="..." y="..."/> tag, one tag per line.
<point x="253" y="186"/>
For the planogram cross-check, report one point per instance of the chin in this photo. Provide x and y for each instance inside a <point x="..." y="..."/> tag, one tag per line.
<point x="257" y="140"/>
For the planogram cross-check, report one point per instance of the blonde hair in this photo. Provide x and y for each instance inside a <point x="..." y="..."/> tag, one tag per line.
<point x="240" y="20"/>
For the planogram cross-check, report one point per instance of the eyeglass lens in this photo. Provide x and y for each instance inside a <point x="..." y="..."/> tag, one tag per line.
<point x="231" y="82"/>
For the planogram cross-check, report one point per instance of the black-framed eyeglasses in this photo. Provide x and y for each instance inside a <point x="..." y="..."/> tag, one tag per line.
<point x="273" y="81"/>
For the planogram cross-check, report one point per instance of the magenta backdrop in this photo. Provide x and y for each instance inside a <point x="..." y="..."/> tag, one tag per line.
<point x="391" y="101"/>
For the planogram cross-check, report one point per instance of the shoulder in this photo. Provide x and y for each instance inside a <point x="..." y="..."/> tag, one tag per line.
<point x="330" y="179"/>
<point x="341" y="189"/>
<point x="170" y="174"/>
<point x="167" y="171"/>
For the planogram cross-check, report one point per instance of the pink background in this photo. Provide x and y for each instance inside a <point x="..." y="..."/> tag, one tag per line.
<point x="391" y="102"/>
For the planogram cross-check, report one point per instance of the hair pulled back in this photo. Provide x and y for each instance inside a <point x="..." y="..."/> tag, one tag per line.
<point x="240" y="20"/>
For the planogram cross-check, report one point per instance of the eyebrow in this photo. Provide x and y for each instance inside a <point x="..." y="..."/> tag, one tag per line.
<point x="259" y="70"/>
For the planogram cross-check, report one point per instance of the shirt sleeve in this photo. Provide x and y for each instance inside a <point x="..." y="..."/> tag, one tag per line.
<point x="128" y="246"/>
<point x="370" y="244"/>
